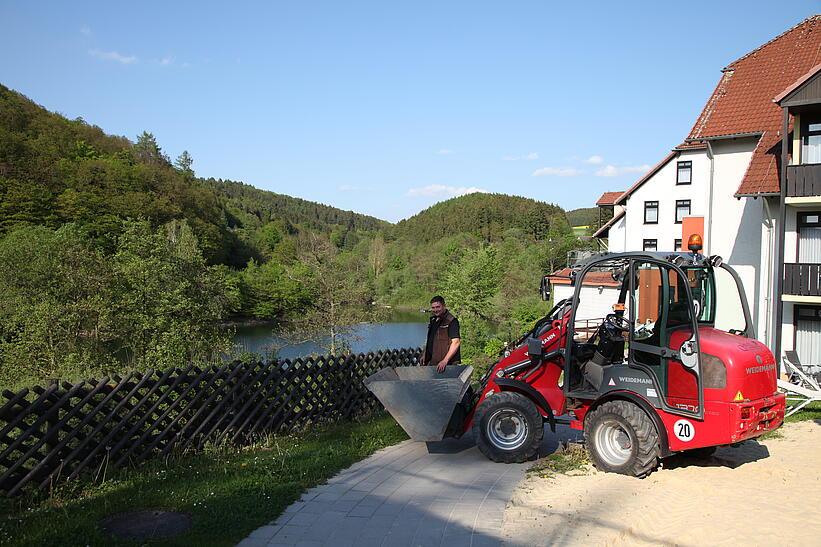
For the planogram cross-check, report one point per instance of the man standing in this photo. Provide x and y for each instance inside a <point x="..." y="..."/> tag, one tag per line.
<point x="442" y="348"/>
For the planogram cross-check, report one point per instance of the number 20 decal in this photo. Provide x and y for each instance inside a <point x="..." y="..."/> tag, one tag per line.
<point x="684" y="430"/>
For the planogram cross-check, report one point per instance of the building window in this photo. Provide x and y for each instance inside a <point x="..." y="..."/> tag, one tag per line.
<point x="650" y="244"/>
<point x="811" y="141"/>
<point x="682" y="209"/>
<point x="684" y="174"/>
<point x="807" y="326"/>
<point x="651" y="212"/>
<point x="809" y="237"/>
<point x="677" y="245"/>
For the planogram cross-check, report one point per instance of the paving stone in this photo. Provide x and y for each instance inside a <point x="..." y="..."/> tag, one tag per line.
<point x="289" y="533"/>
<point x="318" y="507"/>
<point x="304" y="519"/>
<point x="253" y="542"/>
<point x="265" y="532"/>
<point x="352" y="495"/>
<point x="320" y="531"/>
<point x="363" y="511"/>
<point x="295" y="507"/>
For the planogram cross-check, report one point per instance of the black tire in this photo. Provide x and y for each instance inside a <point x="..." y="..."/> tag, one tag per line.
<point x="621" y="438"/>
<point x="701" y="453"/>
<point x="501" y="417"/>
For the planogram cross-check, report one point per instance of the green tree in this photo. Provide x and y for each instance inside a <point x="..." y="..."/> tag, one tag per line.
<point x="339" y="296"/>
<point x="184" y="162"/>
<point x="273" y="291"/>
<point x="471" y="283"/>
<point x="148" y="151"/>
<point x="559" y="241"/>
<point x="56" y="317"/>
<point x="377" y="255"/>
<point x="168" y="300"/>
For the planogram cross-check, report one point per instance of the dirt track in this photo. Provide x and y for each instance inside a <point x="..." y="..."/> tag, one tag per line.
<point x="764" y="493"/>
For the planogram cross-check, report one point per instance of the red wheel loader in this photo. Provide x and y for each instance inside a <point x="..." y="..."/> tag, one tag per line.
<point x="671" y="365"/>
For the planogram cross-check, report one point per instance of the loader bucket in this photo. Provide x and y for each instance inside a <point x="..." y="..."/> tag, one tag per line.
<point x="421" y="399"/>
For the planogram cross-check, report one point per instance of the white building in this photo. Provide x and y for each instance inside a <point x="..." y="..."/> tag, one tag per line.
<point x="726" y="176"/>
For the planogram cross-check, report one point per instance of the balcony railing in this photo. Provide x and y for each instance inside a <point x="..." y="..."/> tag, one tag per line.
<point x="804" y="180"/>
<point x="802" y="279"/>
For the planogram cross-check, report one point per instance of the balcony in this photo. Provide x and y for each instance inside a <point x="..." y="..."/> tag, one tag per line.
<point x="802" y="282"/>
<point x="804" y="181"/>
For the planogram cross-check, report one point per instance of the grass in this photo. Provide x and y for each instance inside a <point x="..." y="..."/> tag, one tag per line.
<point x="569" y="460"/>
<point x="228" y="492"/>
<point x="810" y="412"/>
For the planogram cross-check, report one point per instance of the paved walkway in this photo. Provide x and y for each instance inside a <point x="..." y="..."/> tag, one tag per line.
<point x="413" y="493"/>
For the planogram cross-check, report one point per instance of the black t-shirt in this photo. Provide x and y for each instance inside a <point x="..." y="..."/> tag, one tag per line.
<point x="453" y="332"/>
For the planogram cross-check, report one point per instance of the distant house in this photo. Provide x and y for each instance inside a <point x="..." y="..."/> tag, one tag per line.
<point x="609" y="213"/>
<point x="760" y="126"/>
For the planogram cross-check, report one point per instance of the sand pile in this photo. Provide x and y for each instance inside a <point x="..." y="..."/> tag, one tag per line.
<point x="761" y="493"/>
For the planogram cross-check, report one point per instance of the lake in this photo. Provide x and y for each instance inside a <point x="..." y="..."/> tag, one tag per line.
<point x="402" y="330"/>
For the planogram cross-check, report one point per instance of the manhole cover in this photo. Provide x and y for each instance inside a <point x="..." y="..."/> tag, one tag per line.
<point x="146" y="524"/>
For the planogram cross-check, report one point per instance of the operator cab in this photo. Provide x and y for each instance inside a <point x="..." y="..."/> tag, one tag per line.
<point x="634" y="325"/>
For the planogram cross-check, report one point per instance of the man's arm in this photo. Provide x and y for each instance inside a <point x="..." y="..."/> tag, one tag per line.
<point x="454" y="347"/>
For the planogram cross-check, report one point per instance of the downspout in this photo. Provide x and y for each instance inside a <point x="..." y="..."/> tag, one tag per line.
<point x="710" y="200"/>
<point x="768" y="298"/>
<point x="782" y="232"/>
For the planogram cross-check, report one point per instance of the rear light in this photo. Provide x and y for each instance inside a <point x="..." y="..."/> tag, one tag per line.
<point x="746" y="413"/>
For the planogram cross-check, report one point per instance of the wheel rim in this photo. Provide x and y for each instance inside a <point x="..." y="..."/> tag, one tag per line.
<point x="613" y="443"/>
<point x="507" y="429"/>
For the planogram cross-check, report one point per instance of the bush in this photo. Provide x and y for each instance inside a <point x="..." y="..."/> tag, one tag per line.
<point x="69" y="311"/>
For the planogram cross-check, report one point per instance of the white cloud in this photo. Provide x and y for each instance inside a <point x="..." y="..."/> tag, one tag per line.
<point x="528" y="157"/>
<point x="614" y="171"/>
<point x="440" y="190"/>
<point x="444" y="152"/>
<point x="557" y="172"/>
<point x="594" y="160"/>
<point x="113" y="56"/>
<point x="165" y="61"/>
<point x="85" y="30"/>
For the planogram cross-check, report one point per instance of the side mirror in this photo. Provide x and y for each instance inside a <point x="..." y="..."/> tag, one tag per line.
<point x="544" y="289"/>
<point x="689" y="354"/>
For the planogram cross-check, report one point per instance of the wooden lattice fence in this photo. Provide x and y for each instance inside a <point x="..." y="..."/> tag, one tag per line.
<point x="59" y="431"/>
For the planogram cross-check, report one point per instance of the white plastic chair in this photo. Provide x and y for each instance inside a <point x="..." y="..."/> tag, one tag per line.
<point x="803" y="389"/>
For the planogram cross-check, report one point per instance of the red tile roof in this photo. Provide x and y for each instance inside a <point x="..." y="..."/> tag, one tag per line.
<point x="763" y="172"/>
<point x="609" y="198"/>
<point x="691" y="146"/>
<point x="593" y="278"/>
<point x="742" y="104"/>
<point x="798" y="83"/>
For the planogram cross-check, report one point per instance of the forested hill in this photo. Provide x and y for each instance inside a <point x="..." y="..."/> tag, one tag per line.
<point x="244" y="199"/>
<point x="586" y="216"/>
<point x="55" y="171"/>
<point x="486" y="216"/>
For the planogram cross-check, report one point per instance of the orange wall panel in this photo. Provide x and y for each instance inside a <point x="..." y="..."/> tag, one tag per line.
<point x="690" y="226"/>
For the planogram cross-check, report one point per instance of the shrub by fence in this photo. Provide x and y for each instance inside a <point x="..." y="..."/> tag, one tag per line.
<point x="59" y="431"/>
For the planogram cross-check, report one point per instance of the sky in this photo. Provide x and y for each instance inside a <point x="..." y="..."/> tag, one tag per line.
<point x="385" y="108"/>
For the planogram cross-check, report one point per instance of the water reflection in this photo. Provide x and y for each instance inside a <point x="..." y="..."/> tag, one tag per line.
<point x="401" y="330"/>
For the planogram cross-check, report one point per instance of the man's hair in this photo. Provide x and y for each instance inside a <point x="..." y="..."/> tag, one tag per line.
<point x="437" y="298"/>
